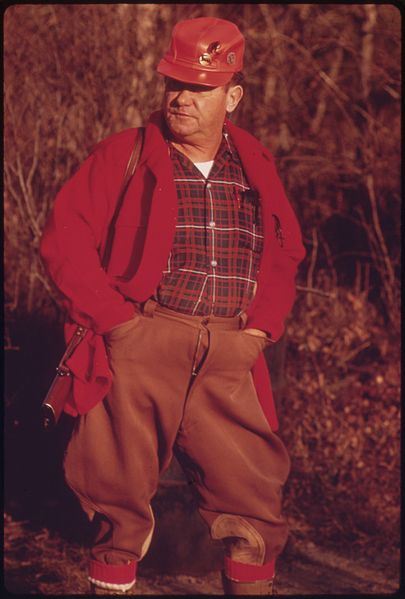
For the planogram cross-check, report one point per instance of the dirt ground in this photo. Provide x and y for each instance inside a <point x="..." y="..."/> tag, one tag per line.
<point x="38" y="562"/>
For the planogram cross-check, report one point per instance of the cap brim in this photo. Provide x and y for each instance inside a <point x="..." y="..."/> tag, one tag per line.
<point x="190" y="75"/>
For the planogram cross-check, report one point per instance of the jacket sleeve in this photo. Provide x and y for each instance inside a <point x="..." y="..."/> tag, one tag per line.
<point x="71" y="239"/>
<point x="277" y="289"/>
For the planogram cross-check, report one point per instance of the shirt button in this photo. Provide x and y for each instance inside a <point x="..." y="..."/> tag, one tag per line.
<point x="214" y="263"/>
<point x="211" y="224"/>
<point x="208" y="185"/>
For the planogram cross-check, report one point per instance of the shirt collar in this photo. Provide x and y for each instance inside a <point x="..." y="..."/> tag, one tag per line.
<point x="225" y="153"/>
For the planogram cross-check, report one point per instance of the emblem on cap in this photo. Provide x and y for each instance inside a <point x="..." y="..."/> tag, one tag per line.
<point x="231" y="58"/>
<point x="206" y="58"/>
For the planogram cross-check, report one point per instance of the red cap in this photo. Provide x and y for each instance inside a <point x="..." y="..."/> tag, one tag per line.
<point x="205" y="51"/>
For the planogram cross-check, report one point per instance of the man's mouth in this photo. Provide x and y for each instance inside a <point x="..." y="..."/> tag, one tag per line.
<point x="179" y="114"/>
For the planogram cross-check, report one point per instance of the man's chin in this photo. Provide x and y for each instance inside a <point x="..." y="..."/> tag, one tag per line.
<point x="180" y="129"/>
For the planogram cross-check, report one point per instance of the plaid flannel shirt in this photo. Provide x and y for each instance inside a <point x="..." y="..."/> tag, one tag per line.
<point x="213" y="263"/>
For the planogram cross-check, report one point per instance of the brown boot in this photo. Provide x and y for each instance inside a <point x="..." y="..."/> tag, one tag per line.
<point x="259" y="587"/>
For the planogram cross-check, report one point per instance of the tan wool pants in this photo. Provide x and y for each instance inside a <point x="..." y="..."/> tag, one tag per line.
<point x="180" y="383"/>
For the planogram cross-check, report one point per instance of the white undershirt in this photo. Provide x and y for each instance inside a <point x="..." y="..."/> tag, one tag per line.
<point x="204" y="167"/>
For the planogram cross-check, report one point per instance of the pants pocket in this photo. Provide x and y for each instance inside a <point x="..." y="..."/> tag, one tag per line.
<point x="237" y="352"/>
<point x="252" y="346"/>
<point x="262" y="342"/>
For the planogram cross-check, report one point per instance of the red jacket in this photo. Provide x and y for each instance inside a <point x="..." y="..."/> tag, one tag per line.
<point x="76" y="231"/>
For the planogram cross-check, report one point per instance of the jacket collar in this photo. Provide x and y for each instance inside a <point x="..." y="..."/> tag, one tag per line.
<point x="253" y="156"/>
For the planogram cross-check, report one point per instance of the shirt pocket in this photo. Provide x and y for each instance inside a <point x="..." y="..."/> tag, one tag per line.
<point x="250" y="229"/>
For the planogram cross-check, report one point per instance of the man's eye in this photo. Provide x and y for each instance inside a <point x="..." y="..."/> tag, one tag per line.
<point x="171" y="86"/>
<point x="178" y="86"/>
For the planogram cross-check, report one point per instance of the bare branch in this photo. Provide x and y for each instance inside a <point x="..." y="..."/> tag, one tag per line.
<point x="35" y="156"/>
<point x="12" y="306"/>
<point x="321" y="108"/>
<point x="368" y="46"/>
<point x="330" y="294"/>
<point x="339" y="94"/>
<point x="377" y="227"/>
<point x="314" y="254"/>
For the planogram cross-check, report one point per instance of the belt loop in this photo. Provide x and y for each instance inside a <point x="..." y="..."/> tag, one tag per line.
<point x="149" y="307"/>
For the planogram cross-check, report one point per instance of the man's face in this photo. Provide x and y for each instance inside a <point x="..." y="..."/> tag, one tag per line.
<point x="195" y="112"/>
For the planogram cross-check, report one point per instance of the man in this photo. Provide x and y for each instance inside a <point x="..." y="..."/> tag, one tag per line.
<point x="200" y="281"/>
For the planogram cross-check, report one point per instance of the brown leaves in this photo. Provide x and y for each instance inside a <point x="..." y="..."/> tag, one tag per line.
<point x="340" y="412"/>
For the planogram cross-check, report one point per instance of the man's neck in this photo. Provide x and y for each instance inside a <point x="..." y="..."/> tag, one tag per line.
<point x="199" y="152"/>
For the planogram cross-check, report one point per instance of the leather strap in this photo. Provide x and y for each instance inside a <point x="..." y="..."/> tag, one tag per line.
<point x="129" y="172"/>
<point x="78" y="335"/>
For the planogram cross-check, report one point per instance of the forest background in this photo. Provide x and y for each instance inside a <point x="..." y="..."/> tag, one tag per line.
<point x="323" y="94"/>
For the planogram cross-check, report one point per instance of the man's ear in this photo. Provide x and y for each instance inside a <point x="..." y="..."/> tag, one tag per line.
<point x="233" y="97"/>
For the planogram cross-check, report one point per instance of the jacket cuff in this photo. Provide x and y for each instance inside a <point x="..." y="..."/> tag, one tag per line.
<point x="107" y="321"/>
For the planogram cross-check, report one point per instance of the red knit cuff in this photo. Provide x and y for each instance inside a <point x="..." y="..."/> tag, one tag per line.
<point x="248" y="572"/>
<point x="113" y="574"/>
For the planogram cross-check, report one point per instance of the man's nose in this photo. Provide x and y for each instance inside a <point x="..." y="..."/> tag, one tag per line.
<point x="183" y="97"/>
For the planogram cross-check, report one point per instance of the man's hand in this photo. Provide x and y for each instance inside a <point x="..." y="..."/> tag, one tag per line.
<point x="257" y="333"/>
